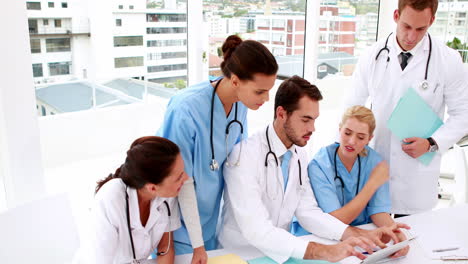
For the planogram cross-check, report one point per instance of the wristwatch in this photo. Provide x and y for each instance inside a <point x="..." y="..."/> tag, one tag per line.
<point x="432" y="145"/>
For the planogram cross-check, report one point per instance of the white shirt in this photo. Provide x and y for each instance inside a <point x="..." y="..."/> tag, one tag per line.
<point x="399" y="50"/>
<point x="257" y="210"/>
<point x="413" y="186"/>
<point x="112" y="240"/>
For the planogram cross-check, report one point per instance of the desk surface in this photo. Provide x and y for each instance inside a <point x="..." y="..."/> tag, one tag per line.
<point x="448" y="225"/>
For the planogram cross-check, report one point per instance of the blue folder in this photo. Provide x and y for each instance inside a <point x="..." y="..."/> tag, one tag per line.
<point x="413" y="117"/>
<point x="267" y="260"/>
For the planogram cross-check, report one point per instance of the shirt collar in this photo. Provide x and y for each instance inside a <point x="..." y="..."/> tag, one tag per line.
<point x="134" y="209"/>
<point x="277" y="145"/>
<point x="416" y="48"/>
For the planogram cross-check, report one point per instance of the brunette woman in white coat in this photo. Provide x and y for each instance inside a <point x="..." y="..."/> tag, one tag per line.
<point x="136" y="210"/>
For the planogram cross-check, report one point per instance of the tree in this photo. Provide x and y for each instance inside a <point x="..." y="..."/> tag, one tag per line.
<point x="462" y="48"/>
<point x="240" y="12"/>
<point x="180" y="84"/>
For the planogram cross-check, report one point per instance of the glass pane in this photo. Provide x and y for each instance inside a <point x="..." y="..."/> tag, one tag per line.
<point x="128" y="41"/>
<point x="128" y="62"/>
<point x="146" y="46"/>
<point x="59" y="68"/>
<point x="58" y="45"/>
<point x="33" y="5"/>
<point x="451" y="25"/>
<point x="35" y="45"/>
<point x="347" y="28"/>
<point x="37" y="70"/>
<point x="279" y="25"/>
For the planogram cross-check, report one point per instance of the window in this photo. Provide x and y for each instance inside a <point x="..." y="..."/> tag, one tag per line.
<point x="35" y="45"/>
<point x="164" y="68"/>
<point x="118" y="22"/>
<point x="43" y="110"/>
<point x="120" y="6"/>
<point x="128" y="62"/>
<point x="166" y="17"/>
<point x="33" y="5"/>
<point x="45" y="22"/>
<point x="59" y="68"/>
<point x="159" y="30"/>
<point x="64" y="5"/>
<point x="51" y="4"/>
<point x="166" y="43"/>
<point x="32" y="24"/>
<point x="130" y="7"/>
<point x="167" y="55"/>
<point x="128" y="41"/>
<point x="37" y="70"/>
<point x="58" y="45"/>
<point x="345" y="33"/>
<point x="58" y="23"/>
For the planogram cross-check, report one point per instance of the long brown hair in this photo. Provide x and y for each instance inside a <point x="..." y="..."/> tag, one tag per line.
<point x="246" y="58"/>
<point x="149" y="160"/>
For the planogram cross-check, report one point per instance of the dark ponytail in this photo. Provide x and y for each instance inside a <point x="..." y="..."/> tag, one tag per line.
<point x="246" y="58"/>
<point x="149" y="160"/>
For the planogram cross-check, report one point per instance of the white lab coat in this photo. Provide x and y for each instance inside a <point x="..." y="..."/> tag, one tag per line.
<point x="112" y="240"/>
<point x="413" y="186"/>
<point x="251" y="215"/>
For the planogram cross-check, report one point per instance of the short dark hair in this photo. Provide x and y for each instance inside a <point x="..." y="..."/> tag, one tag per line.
<point x="292" y="90"/>
<point x="246" y="58"/>
<point x="419" y="5"/>
<point x="149" y="160"/>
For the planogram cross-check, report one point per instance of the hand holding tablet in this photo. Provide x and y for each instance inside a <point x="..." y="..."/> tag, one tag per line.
<point x="382" y="254"/>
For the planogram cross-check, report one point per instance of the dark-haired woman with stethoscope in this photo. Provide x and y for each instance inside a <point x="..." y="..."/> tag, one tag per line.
<point x="135" y="208"/>
<point x="205" y="121"/>
<point x="350" y="179"/>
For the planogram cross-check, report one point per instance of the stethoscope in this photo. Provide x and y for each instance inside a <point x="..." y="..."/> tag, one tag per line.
<point x="214" y="165"/>
<point x="162" y="253"/>
<point x="341" y="179"/>
<point x="270" y="152"/>
<point x="424" y="84"/>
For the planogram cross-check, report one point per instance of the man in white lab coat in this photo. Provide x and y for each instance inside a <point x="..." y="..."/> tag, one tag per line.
<point x="270" y="186"/>
<point x="411" y="57"/>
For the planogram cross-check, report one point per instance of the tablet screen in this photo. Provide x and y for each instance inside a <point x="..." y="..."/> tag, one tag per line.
<point x="386" y="252"/>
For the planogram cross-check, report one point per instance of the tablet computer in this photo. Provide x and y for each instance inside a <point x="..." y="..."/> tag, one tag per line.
<point x="382" y="254"/>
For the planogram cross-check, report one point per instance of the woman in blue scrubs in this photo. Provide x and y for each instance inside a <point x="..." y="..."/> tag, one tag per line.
<point x="205" y="121"/>
<point x="350" y="179"/>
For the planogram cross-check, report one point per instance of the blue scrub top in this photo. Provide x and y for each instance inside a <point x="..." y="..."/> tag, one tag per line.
<point x="187" y="123"/>
<point x="328" y="192"/>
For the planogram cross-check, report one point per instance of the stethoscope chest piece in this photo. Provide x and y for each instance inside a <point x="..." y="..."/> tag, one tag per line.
<point x="424" y="85"/>
<point x="214" y="166"/>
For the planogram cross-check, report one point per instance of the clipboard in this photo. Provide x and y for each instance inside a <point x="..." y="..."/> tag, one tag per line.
<point x="413" y="117"/>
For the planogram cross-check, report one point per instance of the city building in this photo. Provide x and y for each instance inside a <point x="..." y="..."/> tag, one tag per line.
<point x="101" y="41"/>
<point x="451" y="21"/>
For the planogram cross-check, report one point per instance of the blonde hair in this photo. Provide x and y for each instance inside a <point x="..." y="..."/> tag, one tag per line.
<point x="362" y="114"/>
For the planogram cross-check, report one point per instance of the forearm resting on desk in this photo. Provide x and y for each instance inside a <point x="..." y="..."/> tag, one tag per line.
<point x="189" y="208"/>
<point x="353" y="209"/>
<point x="334" y="253"/>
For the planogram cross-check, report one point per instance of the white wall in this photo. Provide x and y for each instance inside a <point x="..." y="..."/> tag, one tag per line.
<point x="90" y="134"/>
<point x="20" y="161"/>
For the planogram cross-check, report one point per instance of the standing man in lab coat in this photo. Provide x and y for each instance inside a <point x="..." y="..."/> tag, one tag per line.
<point x="411" y="57"/>
<point x="271" y="185"/>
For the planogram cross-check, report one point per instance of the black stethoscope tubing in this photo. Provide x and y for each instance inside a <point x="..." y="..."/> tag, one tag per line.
<point x="214" y="166"/>
<point x="270" y="152"/>
<point x="341" y="179"/>
<point x="385" y="48"/>
<point x="129" y="229"/>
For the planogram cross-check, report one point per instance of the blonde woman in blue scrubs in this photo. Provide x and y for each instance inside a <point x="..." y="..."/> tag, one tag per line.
<point x="350" y="179"/>
<point x="205" y="121"/>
